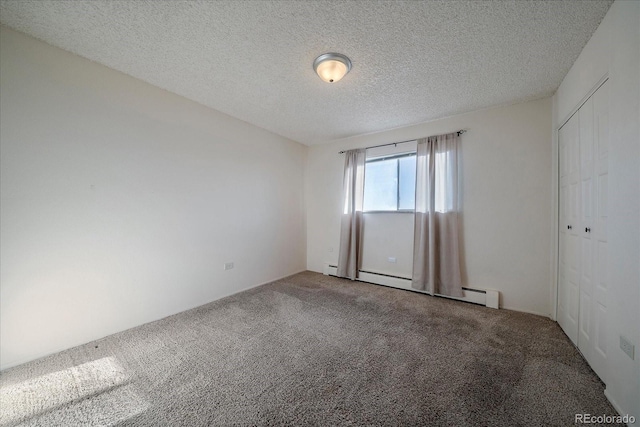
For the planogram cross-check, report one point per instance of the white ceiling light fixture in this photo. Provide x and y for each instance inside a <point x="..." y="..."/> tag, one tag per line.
<point x="331" y="67"/>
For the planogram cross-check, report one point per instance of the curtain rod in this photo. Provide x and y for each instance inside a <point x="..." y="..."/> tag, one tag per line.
<point x="460" y="132"/>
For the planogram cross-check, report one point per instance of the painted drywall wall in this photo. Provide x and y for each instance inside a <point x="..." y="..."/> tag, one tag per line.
<point x="384" y="239"/>
<point x="121" y="202"/>
<point x="614" y="50"/>
<point x="506" y="157"/>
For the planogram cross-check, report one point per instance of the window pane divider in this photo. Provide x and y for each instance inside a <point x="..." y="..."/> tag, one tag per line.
<point x="389" y="157"/>
<point x="393" y="212"/>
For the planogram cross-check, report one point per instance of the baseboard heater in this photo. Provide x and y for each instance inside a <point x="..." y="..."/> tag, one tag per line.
<point x="487" y="297"/>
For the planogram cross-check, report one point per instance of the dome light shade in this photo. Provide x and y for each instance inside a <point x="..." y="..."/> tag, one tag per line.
<point x="331" y="67"/>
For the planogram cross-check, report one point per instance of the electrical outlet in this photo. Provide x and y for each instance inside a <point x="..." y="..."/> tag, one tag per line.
<point x="392" y="259"/>
<point x="627" y="346"/>
<point x="228" y="265"/>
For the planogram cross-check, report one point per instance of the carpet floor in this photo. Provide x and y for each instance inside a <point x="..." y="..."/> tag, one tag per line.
<point x="314" y="350"/>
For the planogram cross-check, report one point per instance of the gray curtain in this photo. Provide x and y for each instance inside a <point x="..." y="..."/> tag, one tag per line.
<point x="436" y="258"/>
<point x="351" y="223"/>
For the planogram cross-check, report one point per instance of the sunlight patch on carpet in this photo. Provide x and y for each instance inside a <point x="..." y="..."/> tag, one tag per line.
<point x="47" y="395"/>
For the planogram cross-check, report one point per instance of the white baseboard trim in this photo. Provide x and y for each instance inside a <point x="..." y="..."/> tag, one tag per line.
<point x="618" y="408"/>
<point x="486" y="297"/>
<point x="522" y="310"/>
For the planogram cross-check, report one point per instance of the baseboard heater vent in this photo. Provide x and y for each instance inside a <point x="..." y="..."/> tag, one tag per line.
<point x="487" y="297"/>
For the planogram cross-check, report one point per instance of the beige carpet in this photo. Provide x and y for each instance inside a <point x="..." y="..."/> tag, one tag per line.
<point x="314" y="350"/>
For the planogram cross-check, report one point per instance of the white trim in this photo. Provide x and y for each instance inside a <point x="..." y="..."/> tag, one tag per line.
<point x="486" y="297"/>
<point x="555" y="214"/>
<point x="616" y="406"/>
<point x="522" y="310"/>
<point x="593" y="90"/>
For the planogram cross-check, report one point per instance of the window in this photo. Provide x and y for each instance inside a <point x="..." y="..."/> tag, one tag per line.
<point x="390" y="183"/>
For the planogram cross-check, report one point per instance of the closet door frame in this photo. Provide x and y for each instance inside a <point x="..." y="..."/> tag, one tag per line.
<point x="556" y="198"/>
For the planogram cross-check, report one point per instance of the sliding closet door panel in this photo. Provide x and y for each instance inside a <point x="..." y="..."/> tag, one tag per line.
<point x="586" y="214"/>
<point x="573" y="237"/>
<point x="563" y="223"/>
<point x="563" y="287"/>
<point x="569" y="258"/>
<point x="598" y="356"/>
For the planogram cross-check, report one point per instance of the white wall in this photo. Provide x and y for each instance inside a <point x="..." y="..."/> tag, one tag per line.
<point x="121" y="202"/>
<point x="614" y="49"/>
<point x="506" y="203"/>
<point x="388" y="235"/>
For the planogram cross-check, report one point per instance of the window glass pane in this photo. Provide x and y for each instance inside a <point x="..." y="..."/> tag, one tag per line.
<point x="407" y="182"/>
<point x="381" y="185"/>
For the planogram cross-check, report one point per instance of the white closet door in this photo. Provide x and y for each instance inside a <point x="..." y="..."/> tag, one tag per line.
<point x="586" y="214"/>
<point x="583" y="144"/>
<point x="598" y="349"/>
<point x="569" y="261"/>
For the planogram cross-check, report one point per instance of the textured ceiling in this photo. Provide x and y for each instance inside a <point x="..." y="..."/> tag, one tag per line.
<point x="412" y="61"/>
